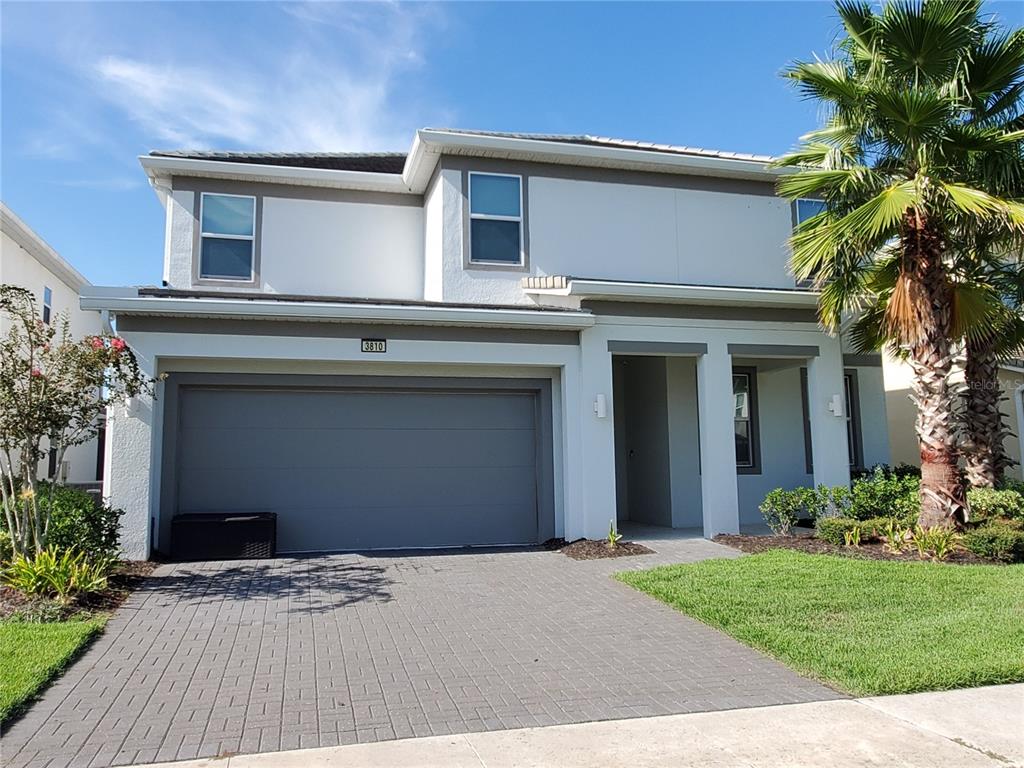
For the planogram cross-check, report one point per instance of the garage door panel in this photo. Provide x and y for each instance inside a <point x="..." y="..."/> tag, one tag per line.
<point x="400" y="527"/>
<point x="349" y="469"/>
<point x="260" y="409"/>
<point x="242" y="490"/>
<point x="226" y="448"/>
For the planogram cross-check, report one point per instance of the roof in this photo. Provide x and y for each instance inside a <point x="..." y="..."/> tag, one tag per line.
<point x="286" y="307"/>
<point x="372" y="162"/>
<point x="587" y="140"/>
<point x="411" y="174"/>
<point x="394" y="162"/>
<point x="39" y="249"/>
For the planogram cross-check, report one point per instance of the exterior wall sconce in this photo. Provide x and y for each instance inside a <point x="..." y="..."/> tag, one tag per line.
<point x="601" y="406"/>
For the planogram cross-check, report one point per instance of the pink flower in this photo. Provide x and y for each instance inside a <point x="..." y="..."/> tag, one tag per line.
<point x="117" y="344"/>
<point x="96" y="342"/>
<point x="36" y="372"/>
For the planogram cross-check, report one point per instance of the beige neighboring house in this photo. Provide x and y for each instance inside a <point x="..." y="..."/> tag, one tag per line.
<point x="27" y="261"/>
<point x="901" y="411"/>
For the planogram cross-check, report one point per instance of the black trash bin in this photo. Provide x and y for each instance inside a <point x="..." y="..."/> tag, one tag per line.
<point x="224" y="536"/>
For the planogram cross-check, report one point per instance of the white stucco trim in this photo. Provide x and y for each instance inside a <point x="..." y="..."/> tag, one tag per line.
<point x="690" y="294"/>
<point x="164" y="167"/>
<point x="127" y="300"/>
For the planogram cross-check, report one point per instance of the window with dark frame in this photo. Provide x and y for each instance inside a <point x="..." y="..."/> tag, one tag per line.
<point x="47" y="304"/>
<point x="745" y="420"/>
<point x="496" y="219"/>
<point x="851" y="404"/>
<point x="227" y="237"/>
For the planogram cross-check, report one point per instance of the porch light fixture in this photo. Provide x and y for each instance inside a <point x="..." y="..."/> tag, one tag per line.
<point x="601" y="406"/>
<point x="836" y="405"/>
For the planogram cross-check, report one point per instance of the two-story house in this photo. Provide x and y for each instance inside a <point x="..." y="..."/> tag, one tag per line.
<point x="27" y="261"/>
<point x="493" y="339"/>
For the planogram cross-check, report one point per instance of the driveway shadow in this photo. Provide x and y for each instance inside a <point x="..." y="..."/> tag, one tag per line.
<point x="318" y="585"/>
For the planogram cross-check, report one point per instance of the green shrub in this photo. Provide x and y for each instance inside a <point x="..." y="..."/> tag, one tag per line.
<point x="834" y="529"/>
<point x="996" y="542"/>
<point x="63" y="574"/>
<point x="782" y="509"/>
<point x="78" y="521"/>
<point x="824" y="502"/>
<point x="5" y="546"/>
<point x="884" y="494"/>
<point x="988" y="504"/>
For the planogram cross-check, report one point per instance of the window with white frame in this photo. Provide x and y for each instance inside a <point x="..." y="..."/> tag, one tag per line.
<point x="47" y="304"/>
<point x="228" y="236"/>
<point x="806" y="208"/>
<point x="495" y="219"/>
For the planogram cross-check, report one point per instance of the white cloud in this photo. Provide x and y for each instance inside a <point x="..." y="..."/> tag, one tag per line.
<point x="328" y="80"/>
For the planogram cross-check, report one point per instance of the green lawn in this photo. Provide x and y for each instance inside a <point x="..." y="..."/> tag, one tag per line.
<point x="863" y="626"/>
<point x="32" y="653"/>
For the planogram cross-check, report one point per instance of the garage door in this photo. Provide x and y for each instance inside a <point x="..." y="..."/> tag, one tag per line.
<point x="364" y="469"/>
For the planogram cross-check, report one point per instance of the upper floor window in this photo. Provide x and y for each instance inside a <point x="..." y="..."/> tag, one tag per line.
<point x="495" y="219"/>
<point x="228" y="226"/>
<point x="807" y="208"/>
<point x="744" y="392"/>
<point x="47" y="304"/>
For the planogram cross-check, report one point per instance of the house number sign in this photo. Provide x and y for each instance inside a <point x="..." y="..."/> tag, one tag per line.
<point x="374" y="345"/>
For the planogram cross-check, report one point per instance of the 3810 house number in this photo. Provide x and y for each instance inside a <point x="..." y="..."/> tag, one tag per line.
<point x="374" y="345"/>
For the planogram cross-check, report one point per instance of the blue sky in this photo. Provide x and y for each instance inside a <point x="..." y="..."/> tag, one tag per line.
<point x="87" y="87"/>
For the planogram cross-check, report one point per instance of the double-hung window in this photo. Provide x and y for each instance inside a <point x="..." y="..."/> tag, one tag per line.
<point x="47" y="304"/>
<point x="228" y="227"/>
<point x="495" y="219"/>
<point x="744" y="393"/>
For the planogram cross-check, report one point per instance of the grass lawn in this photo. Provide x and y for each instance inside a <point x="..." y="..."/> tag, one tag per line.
<point x="863" y="626"/>
<point x="32" y="653"/>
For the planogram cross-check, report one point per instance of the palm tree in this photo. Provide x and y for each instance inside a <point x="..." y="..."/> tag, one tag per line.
<point x="985" y="427"/>
<point x="903" y="163"/>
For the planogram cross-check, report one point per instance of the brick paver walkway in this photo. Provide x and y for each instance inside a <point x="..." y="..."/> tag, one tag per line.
<point x="217" y="658"/>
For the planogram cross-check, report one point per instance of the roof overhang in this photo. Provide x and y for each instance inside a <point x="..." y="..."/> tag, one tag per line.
<point x="673" y="293"/>
<point x="39" y="249"/>
<point x="128" y="301"/>
<point x="430" y="144"/>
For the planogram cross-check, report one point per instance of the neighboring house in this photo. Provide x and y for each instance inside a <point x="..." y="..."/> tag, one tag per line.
<point x="28" y="262"/>
<point x="902" y="412"/>
<point x="494" y="339"/>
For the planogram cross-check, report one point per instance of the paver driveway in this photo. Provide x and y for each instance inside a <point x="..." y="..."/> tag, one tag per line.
<point x="216" y="658"/>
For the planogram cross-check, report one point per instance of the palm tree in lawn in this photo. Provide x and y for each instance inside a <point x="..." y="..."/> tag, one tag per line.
<point x="986" y="460"/>
<point x="902" y="163"/>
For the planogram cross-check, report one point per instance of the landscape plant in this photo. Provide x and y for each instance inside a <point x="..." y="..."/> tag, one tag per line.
<point x="614" y="537"/>
<point x="62" y="574"/>
<point x="921" y="104"/>
<point x="52" y="388"/>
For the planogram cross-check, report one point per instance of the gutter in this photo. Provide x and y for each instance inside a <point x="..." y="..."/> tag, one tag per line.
<point x="157" y="167"/>
<point x="127" y="301"/>
<point x="611" y="290"/>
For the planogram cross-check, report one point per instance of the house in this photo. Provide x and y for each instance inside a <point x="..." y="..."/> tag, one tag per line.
<point x="28" y="262"/>
<point x="492" y="339"/>
<point x="902" y="412"/>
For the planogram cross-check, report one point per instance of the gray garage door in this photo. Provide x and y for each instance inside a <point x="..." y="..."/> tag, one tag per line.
<point x="348" y="469"/>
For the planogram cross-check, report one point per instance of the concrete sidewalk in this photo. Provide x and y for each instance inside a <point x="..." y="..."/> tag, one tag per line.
<point x="981" y="727"/>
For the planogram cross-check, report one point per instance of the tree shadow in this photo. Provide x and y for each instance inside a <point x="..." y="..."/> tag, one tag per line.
<point x="293" y="585"/>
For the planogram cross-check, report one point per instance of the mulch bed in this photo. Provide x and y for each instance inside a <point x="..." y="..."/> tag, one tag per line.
<point x="805" y="542"/>
<point x="596" y="549"/>
<point x="127" y="577"/>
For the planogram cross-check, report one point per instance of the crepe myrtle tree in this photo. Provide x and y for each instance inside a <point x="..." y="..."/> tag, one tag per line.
<point x="52" y="387"/>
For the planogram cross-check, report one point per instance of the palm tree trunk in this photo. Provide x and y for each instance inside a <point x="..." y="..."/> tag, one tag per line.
<point x="986" y="459"/>
<point x="943" y="497"/>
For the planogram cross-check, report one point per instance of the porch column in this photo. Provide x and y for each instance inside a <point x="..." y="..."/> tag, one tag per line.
<point x="597" y="434"/>
<point x="826" y="402"/>
<point x="716" y="406"/>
